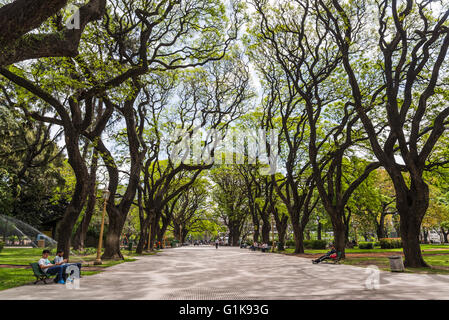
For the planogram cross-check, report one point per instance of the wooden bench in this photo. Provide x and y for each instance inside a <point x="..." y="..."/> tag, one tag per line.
<point x="39" y="274"/>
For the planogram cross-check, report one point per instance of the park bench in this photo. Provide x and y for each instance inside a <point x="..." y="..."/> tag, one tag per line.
<point x="336" y="259"/>
<point x="39" y="274"/>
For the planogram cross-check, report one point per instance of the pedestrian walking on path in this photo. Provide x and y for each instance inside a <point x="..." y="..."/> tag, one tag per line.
<point x="216" y="244"/>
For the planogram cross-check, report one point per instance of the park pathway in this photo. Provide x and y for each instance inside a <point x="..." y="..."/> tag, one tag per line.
<point x="233" y="273"/>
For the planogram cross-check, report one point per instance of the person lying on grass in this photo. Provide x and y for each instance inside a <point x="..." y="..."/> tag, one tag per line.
<point x="47" y="267"/>
<point x="330" y="254"/>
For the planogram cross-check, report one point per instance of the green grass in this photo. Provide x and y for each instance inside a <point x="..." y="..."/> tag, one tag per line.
<point x="437" y="259"/>
<point x="25" y="256"/>
<point x="20" y="256"/>
<point x="425" y="247"/>
<point x="13" y="277"/>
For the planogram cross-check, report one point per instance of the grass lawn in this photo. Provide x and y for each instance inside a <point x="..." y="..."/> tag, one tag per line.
<point x="437" y="256"/>
<point x="13" y="277"/>
<point x="424" y="247"/>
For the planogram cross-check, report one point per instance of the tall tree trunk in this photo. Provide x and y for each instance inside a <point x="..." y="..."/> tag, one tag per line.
<point x="256" y="235"/>
<point x="347" y="220"/>
<point x="177" y="231"/>
<point x="281" y="227"/>
<point x="445" y="234"/>
<point x="117" y="213"/>
<point x="142" y="241"/>
<point x="380" y="226"/>
<point x="154" y="228"/>
<point x="142" y="222"/>
<point x="425" y="235"/>
<point x="319" y="231"/>
<point x="410" y="240"/>
<point x="80" y="235"/>
<point x="163" y="228"/>
<point x="308" y="235"/>
<point x="184" y="234"/>
<point x="115" y="227"/>
<point x="339" y="229"/>
<point x="412" y="205"/>
<point x="143" y="238"/>
<point x="73" y="210"/>
<point x="298" y="233"/>
<point x="234" y="233"/>
<point x="266" y="231"/>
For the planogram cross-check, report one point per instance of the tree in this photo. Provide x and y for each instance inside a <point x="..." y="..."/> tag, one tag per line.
<point x="169" y="42"/>
<point x="29" y="163"/>
<point x="188" y="209"/>
<point x="410" y="47"/>
<point x="231" y="200"/>
<point x="20" y="20"/>
<point x="303" y="71"/>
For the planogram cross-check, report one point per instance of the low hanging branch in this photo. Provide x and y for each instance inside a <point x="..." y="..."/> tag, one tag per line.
<point x="19" y="45"/>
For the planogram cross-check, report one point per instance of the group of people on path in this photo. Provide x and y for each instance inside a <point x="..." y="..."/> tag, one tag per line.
<point x="58" y="267"/>
<point x="262" y="246"/>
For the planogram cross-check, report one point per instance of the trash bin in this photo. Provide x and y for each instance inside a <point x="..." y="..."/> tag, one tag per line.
<point x="396" y="264"/>
<point x="41" y="243"/>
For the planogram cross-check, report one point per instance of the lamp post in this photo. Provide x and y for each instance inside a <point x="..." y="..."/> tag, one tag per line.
<point x="272" y="234"/>
<point x="100" y="241"/>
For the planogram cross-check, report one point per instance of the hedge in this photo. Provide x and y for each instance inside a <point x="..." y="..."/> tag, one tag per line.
<point x="315" y="244"/>
<point x="390" y="243"/>
<point x="290" y="243"/>
<point x="366" y="245"/>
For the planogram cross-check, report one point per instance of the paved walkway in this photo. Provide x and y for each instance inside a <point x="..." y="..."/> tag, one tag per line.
<point x="233" y="273"/>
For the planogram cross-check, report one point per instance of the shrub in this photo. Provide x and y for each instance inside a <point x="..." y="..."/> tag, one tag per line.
<point x="315" y="244"/>
<point x="377" y="243"/>
<point x="2" y="244"/>
<point x="290" y="243"/>
<point x="366" y="245"/>
<point x="390" y="243"/>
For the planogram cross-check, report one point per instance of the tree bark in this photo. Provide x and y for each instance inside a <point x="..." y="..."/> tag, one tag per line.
<point x="412" y="204"/>
<point x="380" y="227"/>
<point x="112" y="241"/>
<point x="445" y="234"/>
<point x="339" y="236"/>
<point x="298" y="233"/>
<point x="73" y="210"/>
<point x="266" y="231"/>
<point x="117" y="213"/>
<point x="319" y="231"/>
<point x="80" y="235"/>
<point x="17" y="19"/>
<point x="281" y="227"/>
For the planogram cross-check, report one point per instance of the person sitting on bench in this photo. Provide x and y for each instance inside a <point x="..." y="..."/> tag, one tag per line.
<point x="254" y="246"/>
<point x="50" y="268"/>
<point x="60" y="261"/>
<point x="333" y="251"/>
